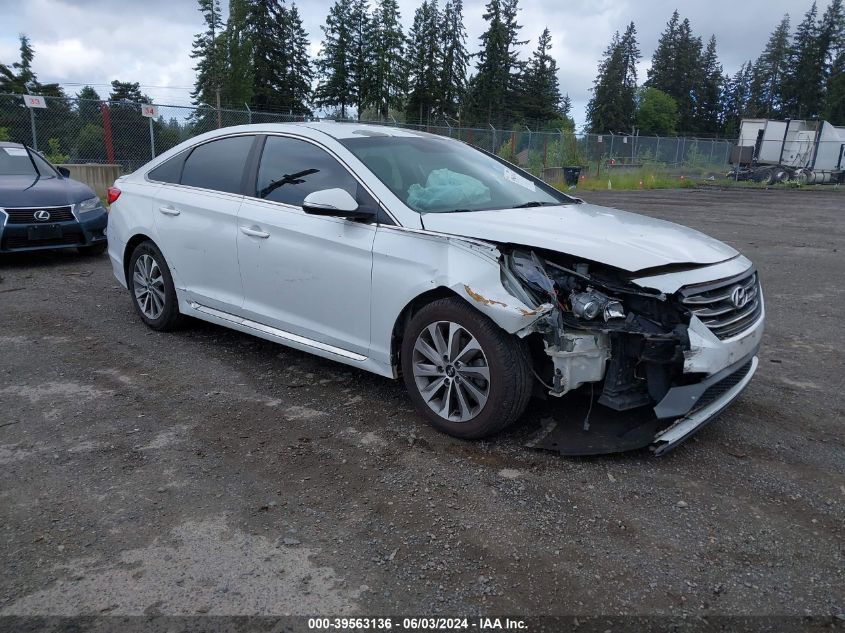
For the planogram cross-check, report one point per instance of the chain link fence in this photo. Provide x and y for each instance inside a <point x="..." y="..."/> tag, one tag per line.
<point x="72" y="130"/>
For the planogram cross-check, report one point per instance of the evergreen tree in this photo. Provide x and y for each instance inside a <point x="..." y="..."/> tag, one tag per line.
<point x="335" y="65"/>
<point x="541" y="100"/>
<point x="88" y="106"/>
<point x="736" y="98"/>
<point x="495" y="85"/>
<point x="127" y="91"/>
<point x="453" y="71"/>
<point x="630" y="57"/>
<point x="125" y="113"/>
<point x="833" y="29"/>
<point x="612" y="106"/>
<point x="660" y="74"/>
<point x="237" y="81"/>
<point x="386" y="79"/>
<point x="208" y="51"/>
<point x="835" y="98"/>
<point x="19" y="78"/>
<point x="676" y="69"/>
<point x="295" y="74"/>
<point x="708" y="96"/>
<point x="425" y="63"/>
<point x="766" y="88"/>
<point x="282" y="71"/>
<point x="566" y="106"/>
<point x="359" y="20"/>
<point x="804" y="83"/>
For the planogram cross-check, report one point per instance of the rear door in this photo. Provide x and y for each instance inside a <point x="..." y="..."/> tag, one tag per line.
<point x="307" y="275"/>
<point x="196" y="221"/>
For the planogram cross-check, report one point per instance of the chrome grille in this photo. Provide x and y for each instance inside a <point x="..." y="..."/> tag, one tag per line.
<point x="27" y="215"/>
<point x="714" y="303"/>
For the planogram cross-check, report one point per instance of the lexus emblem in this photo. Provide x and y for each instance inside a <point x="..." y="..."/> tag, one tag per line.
<point x="42" y="215"/>
<point x="739" y="297"/>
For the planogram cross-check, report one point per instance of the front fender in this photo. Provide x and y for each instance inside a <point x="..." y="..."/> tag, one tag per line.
<point x="408" y="263"/>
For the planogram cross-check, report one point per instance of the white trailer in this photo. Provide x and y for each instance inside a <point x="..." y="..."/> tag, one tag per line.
<point x="774" y="151"/>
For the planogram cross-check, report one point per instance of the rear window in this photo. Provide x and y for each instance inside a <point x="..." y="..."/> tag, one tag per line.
<point x="218" y="165"/>
<point x="170" y="170"/>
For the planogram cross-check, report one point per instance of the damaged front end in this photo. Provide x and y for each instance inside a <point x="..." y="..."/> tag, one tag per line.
<point x="643" y="352"/>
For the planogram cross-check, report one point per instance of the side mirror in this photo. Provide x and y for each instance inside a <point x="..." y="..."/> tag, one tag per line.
<point x="64" y="171"/>
<point x="336" y="203"/>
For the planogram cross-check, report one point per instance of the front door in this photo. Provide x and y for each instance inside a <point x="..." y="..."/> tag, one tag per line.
<point x="307" y="275"/>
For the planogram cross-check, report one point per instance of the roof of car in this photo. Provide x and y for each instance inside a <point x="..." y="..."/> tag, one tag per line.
<point x="10" y="144"/>
<point x="334" y="129"/>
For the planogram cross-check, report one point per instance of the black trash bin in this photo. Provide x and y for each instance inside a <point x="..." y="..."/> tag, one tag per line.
<point x="571" y="176"/>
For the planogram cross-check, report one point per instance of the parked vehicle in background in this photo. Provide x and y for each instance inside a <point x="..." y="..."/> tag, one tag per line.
<point x="42" y="208"/>
<point x="413" y="255"/>
<point x="807" y="152"/>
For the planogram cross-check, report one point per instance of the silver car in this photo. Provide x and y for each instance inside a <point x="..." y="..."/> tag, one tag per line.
<point x="419" y="257"/>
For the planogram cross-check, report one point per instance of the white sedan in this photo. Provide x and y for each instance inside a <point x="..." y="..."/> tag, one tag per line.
<point x="417" y="256"/>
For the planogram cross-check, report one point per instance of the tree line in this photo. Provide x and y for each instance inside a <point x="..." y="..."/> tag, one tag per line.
<point x="799" y="75"/>
<point x="369" y="67"/>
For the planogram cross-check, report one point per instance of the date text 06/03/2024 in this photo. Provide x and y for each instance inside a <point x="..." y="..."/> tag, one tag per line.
<point x="417" y="624"/>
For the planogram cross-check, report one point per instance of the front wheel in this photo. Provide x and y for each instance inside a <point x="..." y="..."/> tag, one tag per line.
<point x="151" y="287"/>
<point x="468" y="377"/>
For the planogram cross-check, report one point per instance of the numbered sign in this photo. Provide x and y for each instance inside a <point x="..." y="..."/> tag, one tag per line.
<point x="34" y="101"/>
<point x="601" y="139"/>
<point x="150" y="111"/>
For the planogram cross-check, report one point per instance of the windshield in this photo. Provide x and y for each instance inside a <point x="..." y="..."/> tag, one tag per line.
<point x="434" y="175"/>
<point x="17" y="161"/>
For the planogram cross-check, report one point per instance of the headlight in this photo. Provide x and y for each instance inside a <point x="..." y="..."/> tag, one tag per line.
<point x="88" y="205"/>
<point x="589" y="305"/>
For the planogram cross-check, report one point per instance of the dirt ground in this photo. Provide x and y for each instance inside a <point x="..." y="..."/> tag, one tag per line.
<point x="206" y="471"/>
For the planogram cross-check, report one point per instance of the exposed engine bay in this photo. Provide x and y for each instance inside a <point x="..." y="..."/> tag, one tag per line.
<point x="602" y="327"/>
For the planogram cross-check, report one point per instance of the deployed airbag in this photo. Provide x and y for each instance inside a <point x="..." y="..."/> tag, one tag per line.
<point x="446" y="189"/>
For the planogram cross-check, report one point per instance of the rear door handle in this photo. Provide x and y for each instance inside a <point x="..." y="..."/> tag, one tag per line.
<point x="254" y="232"/>
<point x="168" y="210"/>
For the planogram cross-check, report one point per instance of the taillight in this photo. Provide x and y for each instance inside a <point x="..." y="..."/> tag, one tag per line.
<point x="112" y="194"/>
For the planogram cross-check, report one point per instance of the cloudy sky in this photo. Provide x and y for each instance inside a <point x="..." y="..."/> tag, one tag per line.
<point x="94" y="41"/>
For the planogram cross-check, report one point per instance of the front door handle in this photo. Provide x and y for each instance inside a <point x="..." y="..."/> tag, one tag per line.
<point x="168" y="210"/>
<point x="254" y="232"/>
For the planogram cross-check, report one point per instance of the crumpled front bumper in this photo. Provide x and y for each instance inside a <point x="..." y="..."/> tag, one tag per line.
<point x="712" y="397"/>
<point x="725" y="368"/>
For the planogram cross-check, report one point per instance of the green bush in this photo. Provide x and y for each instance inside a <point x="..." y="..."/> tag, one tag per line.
<point x="54" y="154"/>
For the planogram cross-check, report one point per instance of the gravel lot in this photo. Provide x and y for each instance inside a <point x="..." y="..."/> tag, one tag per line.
<point x="210" y="472"/>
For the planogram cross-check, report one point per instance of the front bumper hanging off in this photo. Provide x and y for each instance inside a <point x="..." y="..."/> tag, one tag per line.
<point x="682" y="412"/>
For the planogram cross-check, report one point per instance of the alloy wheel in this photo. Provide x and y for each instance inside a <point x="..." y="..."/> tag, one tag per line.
<point x="148" y="284"/>
<point x="451" y="371"/>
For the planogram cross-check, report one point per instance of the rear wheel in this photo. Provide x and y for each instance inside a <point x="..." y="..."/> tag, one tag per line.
<point x="467" y="376"/>
<point x="151" y="287"/>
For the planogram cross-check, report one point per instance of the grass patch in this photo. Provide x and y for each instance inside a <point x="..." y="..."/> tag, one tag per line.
<point x="638" y="179"/>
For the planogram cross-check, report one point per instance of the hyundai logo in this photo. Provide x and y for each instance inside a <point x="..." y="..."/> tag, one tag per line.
<point x="739" y="297"/>
<point x="42" y="216"/>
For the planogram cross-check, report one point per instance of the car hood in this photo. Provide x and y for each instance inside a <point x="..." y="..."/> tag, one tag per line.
<point x="621" y="239"/>
<point x="26" y="191"/>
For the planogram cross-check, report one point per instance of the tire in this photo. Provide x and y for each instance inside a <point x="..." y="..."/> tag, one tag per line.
<point x="151" y="288"/>
<point x="506" y="391"/>
<point x="93" y="250"/>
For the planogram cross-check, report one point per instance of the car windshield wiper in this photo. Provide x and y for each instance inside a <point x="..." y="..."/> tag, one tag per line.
<point x="537" y="203"/>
